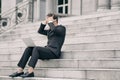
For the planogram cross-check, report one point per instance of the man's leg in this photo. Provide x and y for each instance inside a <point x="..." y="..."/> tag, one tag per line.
<point x="40" y="53"/>
<point x="27" y="53"/>
<point x="37" y="53"/>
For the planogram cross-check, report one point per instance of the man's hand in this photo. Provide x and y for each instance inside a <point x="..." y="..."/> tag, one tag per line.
<point x="49" y="19"/>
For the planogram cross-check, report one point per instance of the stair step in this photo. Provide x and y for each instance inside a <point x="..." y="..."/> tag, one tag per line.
<point x="79" y="40"/>
<point x="87" y="20"/>
<point x="98" y="33"/>
<point x="92" y="46"/>
<point x="86" y="45"/>
<point x="71" y="63"/>
<point x="104" y="36"/>
<point x="93" y="27"/>
<point x="68" y="47"/>
<point x="42" y="38"/>
<point x="8" y="37"/>
<point x="103" y="16"/>
<point x="92" y="39"/>
<point x="15" y="55"/>
<point x="50" y="72"/>
<point x="90" y="74"/>
<point x="35" y="78"/>
<point x="105" y="42"/>
<point x="73" y="29"/>
<point x="90" y="54"/>
<point x="89" y="28"/>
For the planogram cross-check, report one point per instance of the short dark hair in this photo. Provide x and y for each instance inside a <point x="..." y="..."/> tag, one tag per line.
<point x="54" y="16"/>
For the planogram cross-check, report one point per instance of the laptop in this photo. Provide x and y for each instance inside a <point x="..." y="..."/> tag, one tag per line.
<point x="29" y="42"/>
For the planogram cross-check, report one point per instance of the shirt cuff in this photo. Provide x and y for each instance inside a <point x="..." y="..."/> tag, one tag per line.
<point x="50" y="21"/>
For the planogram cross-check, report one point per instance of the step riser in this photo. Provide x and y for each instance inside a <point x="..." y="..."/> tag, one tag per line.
<point x="70" y="40"/>
<point x="80" y="24"/>
<point x="81" y="39"/>
<point x="70" y="46"/>
<point x="78" y="74"/>
<point x="75" y="31"/>
<point x="8" y="78"/>
<point x="90" y="55"/>
<point x="103" y="75"/>
<point x="67" y="55"/>
<point x="67" y="41"/>
<point x="35" y="35"/>
<point x="71" y="64"/>
<point x="53" y="73"/>
<point x="94" y="39"/>
<point x="94" y="46"/>
<point x="69" y="31"/>
<point x="76" y="46"/>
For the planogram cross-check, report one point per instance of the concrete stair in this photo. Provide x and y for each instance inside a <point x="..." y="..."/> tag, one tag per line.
<point x="37" y="78"/>
<point x="79" y="74"/>
<point x="91" y="49"/>
<point x="72" y="63"/>
<point x="68" y="54"/>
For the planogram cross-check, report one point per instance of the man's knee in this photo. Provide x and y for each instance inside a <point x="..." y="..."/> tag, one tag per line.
<point x="38" y="48"/>
<point x="35" y="50"/>
<point x="28" y="50"/>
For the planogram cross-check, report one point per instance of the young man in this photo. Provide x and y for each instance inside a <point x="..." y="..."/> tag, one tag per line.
<point x="56" y="36"/>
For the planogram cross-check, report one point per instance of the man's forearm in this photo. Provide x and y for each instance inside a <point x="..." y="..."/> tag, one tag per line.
<point x="41" y="29"/>
<point x="51" y="25"/>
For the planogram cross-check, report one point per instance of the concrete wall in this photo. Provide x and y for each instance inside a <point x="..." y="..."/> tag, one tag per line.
<point x="76" y="7"/>
<point x="42" y="9"/>
<point x="80" y="7"/>
<point x="89" y="6"/>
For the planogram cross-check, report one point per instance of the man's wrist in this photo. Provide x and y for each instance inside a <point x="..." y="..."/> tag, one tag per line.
<point x="50" y="21"/>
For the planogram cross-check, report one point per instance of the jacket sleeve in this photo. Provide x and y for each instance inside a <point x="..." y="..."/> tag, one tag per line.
<point x="59" y="30"/>
<point x="41" y="29"/>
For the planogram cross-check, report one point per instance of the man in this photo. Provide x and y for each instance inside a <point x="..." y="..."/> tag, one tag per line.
<point x="56" y="36"/>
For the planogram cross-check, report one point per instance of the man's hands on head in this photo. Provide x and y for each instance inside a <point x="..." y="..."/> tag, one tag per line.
<point x="48" y="20"/>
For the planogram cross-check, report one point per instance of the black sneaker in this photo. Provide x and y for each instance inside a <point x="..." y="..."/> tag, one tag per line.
<point x="16" y="74"/>
<point x="27" y="74"/>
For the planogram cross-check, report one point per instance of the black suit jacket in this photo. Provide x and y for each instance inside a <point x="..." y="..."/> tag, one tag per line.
<point x="56" y="37"/>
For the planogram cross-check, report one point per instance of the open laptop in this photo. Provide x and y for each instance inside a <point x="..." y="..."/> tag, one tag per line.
<point x="29" y="42"/>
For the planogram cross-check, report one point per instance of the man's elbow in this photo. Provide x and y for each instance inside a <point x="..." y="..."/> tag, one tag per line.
<point x="39" y="31"/>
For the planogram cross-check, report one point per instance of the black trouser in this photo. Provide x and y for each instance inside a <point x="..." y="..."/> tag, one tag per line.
<point x="35" y="53"/>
